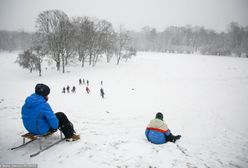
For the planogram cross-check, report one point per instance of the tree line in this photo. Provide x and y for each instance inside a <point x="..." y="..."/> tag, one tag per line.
<point x="190" y="39"/>
<point x="14" y="40"/>
<point x="89" y="40"/>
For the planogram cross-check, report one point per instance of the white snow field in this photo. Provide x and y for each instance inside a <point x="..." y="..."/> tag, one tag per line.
<point x="203" y="98"/>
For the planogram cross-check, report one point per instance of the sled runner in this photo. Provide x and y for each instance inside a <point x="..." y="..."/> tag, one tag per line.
<point x="40" y="138"/>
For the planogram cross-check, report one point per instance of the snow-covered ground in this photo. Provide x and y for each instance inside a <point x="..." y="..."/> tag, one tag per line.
<point x="203" y="98"/>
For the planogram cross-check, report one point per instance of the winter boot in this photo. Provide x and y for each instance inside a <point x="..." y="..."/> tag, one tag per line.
<point x="73" y="138"/>
<point x="172" y="138"/>
<point x="177" y="137"/>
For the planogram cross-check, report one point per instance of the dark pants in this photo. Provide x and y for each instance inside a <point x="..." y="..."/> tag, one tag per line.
<point x="65" y="125"/>
<point x="172" y="138"/>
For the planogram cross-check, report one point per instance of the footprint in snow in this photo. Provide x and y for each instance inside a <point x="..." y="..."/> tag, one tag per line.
<point x="183" y="150"/>
<point x="190" y="165"/>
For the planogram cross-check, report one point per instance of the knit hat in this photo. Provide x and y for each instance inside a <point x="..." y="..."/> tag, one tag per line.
<point x="42" y="89"/>
<point x="159" y="116"/>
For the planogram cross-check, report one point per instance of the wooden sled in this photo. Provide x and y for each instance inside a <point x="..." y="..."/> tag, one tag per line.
<point x="39" y="138"/>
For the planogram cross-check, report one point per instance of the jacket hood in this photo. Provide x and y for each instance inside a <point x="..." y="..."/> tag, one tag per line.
<point x="34" y="100"/>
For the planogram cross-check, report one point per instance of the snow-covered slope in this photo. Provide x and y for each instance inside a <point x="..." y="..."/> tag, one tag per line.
<point x="203" y="98"/>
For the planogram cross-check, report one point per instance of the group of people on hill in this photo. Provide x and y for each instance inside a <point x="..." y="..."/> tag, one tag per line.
<point x="39" y="119"/>
<point x="82" y="82"/>
<point x="87" y="89"/>
<point x="67" y="88"/>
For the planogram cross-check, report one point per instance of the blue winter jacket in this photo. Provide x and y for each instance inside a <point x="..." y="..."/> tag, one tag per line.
<point x="37" y="116"/>
<point x="156" y="137"/>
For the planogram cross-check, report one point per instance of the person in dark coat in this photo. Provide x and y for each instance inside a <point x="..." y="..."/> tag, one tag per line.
<point x="73" y="90"/>
<point x="158" y="132"/>
<point x="63" y="91"/>
<point x="87" y="82"/>
<point x="39" y="119"/>
<point x="102" y="92"/>
<point x="80" y="81"/>
<point x="68" y="89"/>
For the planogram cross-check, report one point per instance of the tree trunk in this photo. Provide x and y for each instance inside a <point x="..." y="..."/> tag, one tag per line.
<point x="82" y="58"/>
<point x="90" y="58"/>
<point x="58" y="65"/>
<point x="63" y="63"/>
<point x="79" y="55"/>
<point x="119" y="57"/>
<point x="39" y="69"/>
<point x="58" y="62"/>
<point x="95" y="59"/>
<point x="67" y="56"/>
<point x="83" y="61"/>
<point x="66" y="60"/>
<point x="108" y="58"/>
<point x="118" y="60"/>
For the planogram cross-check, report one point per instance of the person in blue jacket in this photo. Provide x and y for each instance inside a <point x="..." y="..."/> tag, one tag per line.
<point x="158" y="132"/>
<point x="39" y="119"/>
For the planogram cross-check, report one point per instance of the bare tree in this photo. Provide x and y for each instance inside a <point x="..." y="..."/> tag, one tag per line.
<point x="82" y="27"/>
<point x="53" y="24"/>
<point x="92" y="38"/>
<point x="28" y="60"/>
<point x="39" y="48"/>
<point x="65" y="36"/>
<point x="122" y="39"/>
<point x="103" y="39"/>
<point x="245" y="42"/>
<point x="236" y="37"/>
<point x="110" y="48"/>
<point x="68" y="44"/>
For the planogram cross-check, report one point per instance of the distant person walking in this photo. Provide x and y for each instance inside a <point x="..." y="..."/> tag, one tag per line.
<point x="87" y="82"/>
<point x="83" y="81"/>
<point x="101" y="82"/>
<point x="73" y="90"/>
<point x="68" y="89"/>
<point x="63" y="91"/>
<point x="80" y="81"/>
<point x="87" y="89"/>
<point x="102" y="92"/>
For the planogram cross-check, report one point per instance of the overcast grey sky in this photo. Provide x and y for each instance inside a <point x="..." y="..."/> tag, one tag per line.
<point x="133" y="14"/>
